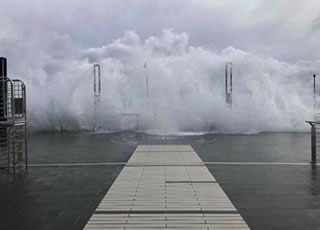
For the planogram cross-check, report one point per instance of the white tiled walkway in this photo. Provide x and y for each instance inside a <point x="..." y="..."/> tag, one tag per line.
<point x="165" y="186"/>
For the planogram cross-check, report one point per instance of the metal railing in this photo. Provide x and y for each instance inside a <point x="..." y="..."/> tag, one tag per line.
<point x="13" y="128"/>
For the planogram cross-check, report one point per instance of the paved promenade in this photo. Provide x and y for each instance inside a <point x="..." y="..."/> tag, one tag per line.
<point x="165" y="186"/>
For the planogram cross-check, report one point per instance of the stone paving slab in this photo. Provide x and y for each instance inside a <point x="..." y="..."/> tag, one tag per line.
<point x="164" y="191"/>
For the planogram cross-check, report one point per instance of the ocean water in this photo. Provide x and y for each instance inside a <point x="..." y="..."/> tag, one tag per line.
<point x="86" y="147"/>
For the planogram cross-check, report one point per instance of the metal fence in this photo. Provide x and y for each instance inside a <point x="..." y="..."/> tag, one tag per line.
<point x="13" y="129"/>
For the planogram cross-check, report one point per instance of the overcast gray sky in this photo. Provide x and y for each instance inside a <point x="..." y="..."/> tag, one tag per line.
<point x="288" y="30"/>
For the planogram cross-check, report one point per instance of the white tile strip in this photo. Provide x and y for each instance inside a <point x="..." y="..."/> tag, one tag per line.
<point x="75" y="164"/>
<point x="179" y="193"/>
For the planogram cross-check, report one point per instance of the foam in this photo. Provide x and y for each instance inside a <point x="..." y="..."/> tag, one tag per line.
<point x="186" y="89"/>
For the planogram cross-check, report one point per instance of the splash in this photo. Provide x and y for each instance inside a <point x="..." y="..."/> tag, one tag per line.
<point x="185" y="88"/>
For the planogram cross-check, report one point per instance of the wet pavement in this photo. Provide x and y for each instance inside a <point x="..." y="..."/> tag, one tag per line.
<point x="273" y="196"/>
<point x="284" y="196"/>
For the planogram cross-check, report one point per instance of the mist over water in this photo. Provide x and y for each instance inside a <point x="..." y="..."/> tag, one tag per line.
<point x="186" y="88"/>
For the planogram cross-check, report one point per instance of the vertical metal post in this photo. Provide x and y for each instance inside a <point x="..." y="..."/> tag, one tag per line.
<point x="228" y="84"/>
<point x="314" y="96"/>
<point x="3" y="67"/>
<point x="96" y="90"/>
<point x="96" y="80"/>
<point x="3" y="87"/>
<point x="231" y="81"/>
<point x="3" y="103"/>
<point x="313" y="145"/>
<point x="314" y="85"/>
<point x="147" y="84"/>
<point x="14" y="150"/>
<point x="137" y="121"/>
<point x="25" y="128"/>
